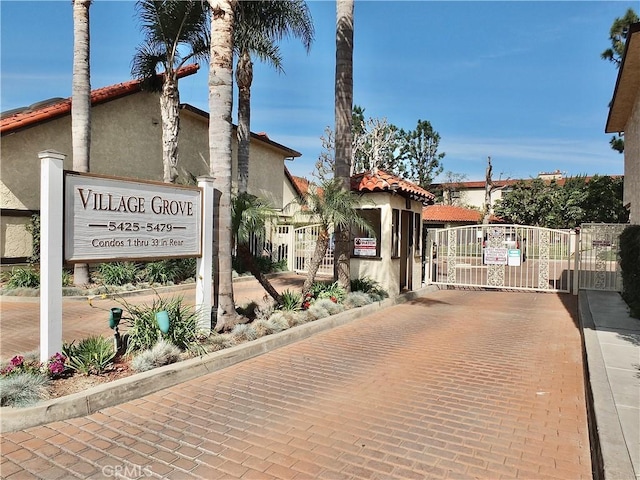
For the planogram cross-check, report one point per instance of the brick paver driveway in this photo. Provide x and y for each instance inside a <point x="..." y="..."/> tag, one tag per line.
<point x="457" y="384"/>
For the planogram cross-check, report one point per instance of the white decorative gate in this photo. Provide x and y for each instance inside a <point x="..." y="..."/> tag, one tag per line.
<point x="503" y="256"/>
<point x="598" y="260"/>
<point x="305" y="240"/>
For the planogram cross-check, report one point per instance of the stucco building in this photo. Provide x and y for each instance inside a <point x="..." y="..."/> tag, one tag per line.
<point x="624" y="116"/>
<point x="125" y="141"/>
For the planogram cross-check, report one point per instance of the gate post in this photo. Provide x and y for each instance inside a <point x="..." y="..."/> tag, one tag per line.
<point x="576" y="259"/>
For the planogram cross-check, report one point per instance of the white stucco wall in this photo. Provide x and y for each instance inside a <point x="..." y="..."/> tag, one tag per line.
<point x="474" y="197"/>
<point x="385" y="269"/>
<point x="125" y="141"/>
<point x="632" y="163"/>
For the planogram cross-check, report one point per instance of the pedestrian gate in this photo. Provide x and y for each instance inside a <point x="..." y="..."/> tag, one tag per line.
<point x="502" y="256"/>
<point x="598" y="267"/>
<point x="305" y="240"/>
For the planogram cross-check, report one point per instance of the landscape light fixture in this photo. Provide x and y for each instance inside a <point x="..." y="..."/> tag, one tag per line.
<point x="115" y="315"/>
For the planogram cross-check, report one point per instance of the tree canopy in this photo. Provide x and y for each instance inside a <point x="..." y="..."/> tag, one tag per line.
<point x="551" y="205"/>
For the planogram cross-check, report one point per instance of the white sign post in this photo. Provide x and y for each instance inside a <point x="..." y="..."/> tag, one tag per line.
<point x="204" y="264"/>
<point x="51" y="225"/>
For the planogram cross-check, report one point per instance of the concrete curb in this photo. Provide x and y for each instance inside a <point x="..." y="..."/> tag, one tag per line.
<point x="141" y="384"/>
<point x="609" y="454"/>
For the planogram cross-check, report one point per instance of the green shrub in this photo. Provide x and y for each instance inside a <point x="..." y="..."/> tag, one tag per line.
<point x="143" y="331"/>
<point x="23" y="389"/>
<point x="164" y="271"/>
<point x="277" y="322"/>
<point x="369" y="286"/>
<point x="185" y="269"/>
<point x="329" y="305"/>
<point x="23" y="278"/>
<point x="218" y="342"/>
<point x="92" y="355"/>
<point x="244" y="333"/>
<point x="264" y="264"/>
<point x="356" y="299"/>
<point x="118" y="273"/>
<point x="291" y="301"/>
<point x="630" y="266"/>
<point x="262" y="327"/>
<point x="67" y="278"/>
<point x="162" y="353"/>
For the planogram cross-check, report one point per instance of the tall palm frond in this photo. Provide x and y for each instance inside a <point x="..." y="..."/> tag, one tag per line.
<point x="175" y="32"/>
<point x="259" y="25"/>
<point x="249" y="215"/>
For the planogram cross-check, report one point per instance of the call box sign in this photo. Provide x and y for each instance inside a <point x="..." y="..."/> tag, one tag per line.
<point x="109" y="219"/>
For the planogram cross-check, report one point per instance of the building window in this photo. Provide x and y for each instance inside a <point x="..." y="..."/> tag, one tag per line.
<point x="395" y="233"/>
<point x="372" y="216"/>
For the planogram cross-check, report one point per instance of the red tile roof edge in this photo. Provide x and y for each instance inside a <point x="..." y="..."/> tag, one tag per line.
<point x="30" y="118"/>
<point x="381" y="181"/>
<point x="453" y="213"/>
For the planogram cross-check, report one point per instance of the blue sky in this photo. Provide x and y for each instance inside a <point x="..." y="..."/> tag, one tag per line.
<point x="522" y="82"/>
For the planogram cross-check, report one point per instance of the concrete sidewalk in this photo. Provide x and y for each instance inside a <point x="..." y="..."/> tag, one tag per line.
<point x="612" y="352"/>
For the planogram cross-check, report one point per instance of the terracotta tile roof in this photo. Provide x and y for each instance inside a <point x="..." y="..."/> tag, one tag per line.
<point x="381" y="181"/>
<point x="301" y="185"/>
<point x="30" y="117"/>
<point x="452" y="213"/>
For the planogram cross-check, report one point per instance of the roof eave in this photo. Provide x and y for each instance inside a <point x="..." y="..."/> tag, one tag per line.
<point x="627" y="83"/>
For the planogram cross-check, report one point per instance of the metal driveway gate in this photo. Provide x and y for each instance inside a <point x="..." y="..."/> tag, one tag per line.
<point x="502" y="256"/>
<point x="305" y="240"/>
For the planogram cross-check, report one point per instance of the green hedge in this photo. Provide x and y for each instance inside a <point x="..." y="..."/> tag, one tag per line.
<point x="630" y="266"/>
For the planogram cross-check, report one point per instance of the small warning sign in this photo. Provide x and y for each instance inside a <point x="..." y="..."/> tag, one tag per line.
<point x="495" y="256"/>
<point x="364" y="247"/>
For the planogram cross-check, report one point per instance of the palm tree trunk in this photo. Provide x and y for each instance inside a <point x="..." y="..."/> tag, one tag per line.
<point x="318" y="254"/>
<point x="344" y="121"/>
<point x="220" y="130"/>
<point x="244" y="252"/>
<point x="81" y="105"/>
<point x="244" y="77"/>
<point x="170" y="112"/>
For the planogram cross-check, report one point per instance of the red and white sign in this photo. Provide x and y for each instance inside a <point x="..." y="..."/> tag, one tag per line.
<point x="364" y="247"/>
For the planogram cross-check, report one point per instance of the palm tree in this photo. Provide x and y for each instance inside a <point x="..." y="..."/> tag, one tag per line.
<point x="259" y="24"/>
<point x="249" y="215"/>
<point x="220" y="129"/>
<point x="344" y="133"/>
<point x="331" y="205"/>
<point x="176" y="32"/>
<point x="81" y="105"/>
